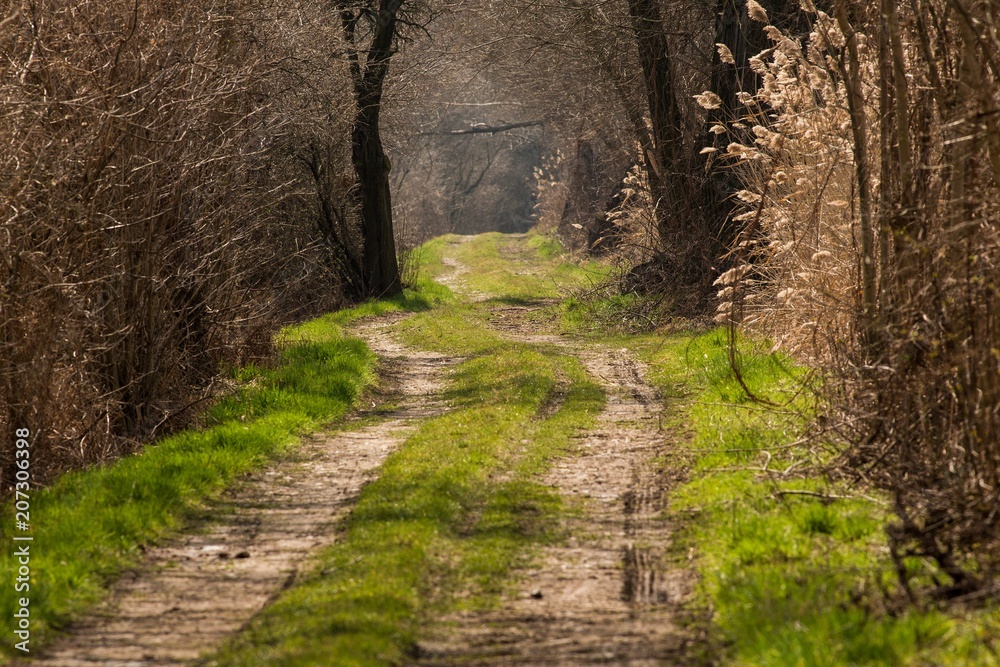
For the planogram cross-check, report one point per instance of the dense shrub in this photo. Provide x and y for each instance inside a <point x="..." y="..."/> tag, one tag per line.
<point x="169" y="196"/>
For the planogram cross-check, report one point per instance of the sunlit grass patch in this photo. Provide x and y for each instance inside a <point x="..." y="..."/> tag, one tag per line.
<point x="800" y="578"/>
<point x="429" y="257"/>
<point x="330" y="326"/>
<point x="513" y="268"/>
<point x="546" y="246"/>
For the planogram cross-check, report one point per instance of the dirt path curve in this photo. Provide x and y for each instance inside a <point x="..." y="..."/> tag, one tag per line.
<point x="192" y="593"/>
<point x="608" y="595"/>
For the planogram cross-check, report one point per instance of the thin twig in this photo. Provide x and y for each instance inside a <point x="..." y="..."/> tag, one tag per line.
<point x="827" y="496"/>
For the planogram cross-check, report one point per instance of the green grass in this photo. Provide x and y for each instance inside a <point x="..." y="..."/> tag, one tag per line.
<point x="424" y="297"/>
<point x="791" y="580"/>
<point x="453" y="511"/>
<point x="515" y="269"/>
<point x="92" y="524"/>
<point x="600" y="314"/>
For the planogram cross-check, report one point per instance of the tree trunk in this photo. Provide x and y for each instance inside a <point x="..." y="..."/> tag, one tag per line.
<point x="888" y="165"/>
<point x="745" y="38"/>
<point x="666" y="175"/>
<point x="976" y="68"/>
<point x="859" y="130"/>
<point x="381" y="271"/>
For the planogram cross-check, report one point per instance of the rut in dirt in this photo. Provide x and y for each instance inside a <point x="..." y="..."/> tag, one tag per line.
<point x="609" y="594"/>
<point x="188" y="596"/>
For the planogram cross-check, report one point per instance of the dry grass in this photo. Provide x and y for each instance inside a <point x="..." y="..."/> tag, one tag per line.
<point x="887" y="274"/>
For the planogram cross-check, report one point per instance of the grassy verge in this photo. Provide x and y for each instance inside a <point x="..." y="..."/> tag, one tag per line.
<point x="789" y="579"/>
<point x="454" y="509"/>
<point x="92" y="524"/>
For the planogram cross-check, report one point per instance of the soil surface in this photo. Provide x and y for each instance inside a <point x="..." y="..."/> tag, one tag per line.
<point x="189" y="595"/>
<point x="608" y="594"/>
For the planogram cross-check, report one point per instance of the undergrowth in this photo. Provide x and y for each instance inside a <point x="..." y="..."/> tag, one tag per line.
<point x="616" y="313"/>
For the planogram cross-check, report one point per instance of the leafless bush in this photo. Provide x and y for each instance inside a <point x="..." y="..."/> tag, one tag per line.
<point x="549" y="193"/>
<point x="160" y="213"/>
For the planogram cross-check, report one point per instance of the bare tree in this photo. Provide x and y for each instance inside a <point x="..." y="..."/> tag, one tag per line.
<point x="369" y="60"/>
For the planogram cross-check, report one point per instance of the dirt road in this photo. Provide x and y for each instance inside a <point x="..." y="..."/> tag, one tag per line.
<point x="195" y="591"/>
<point x="608" y="595"/>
